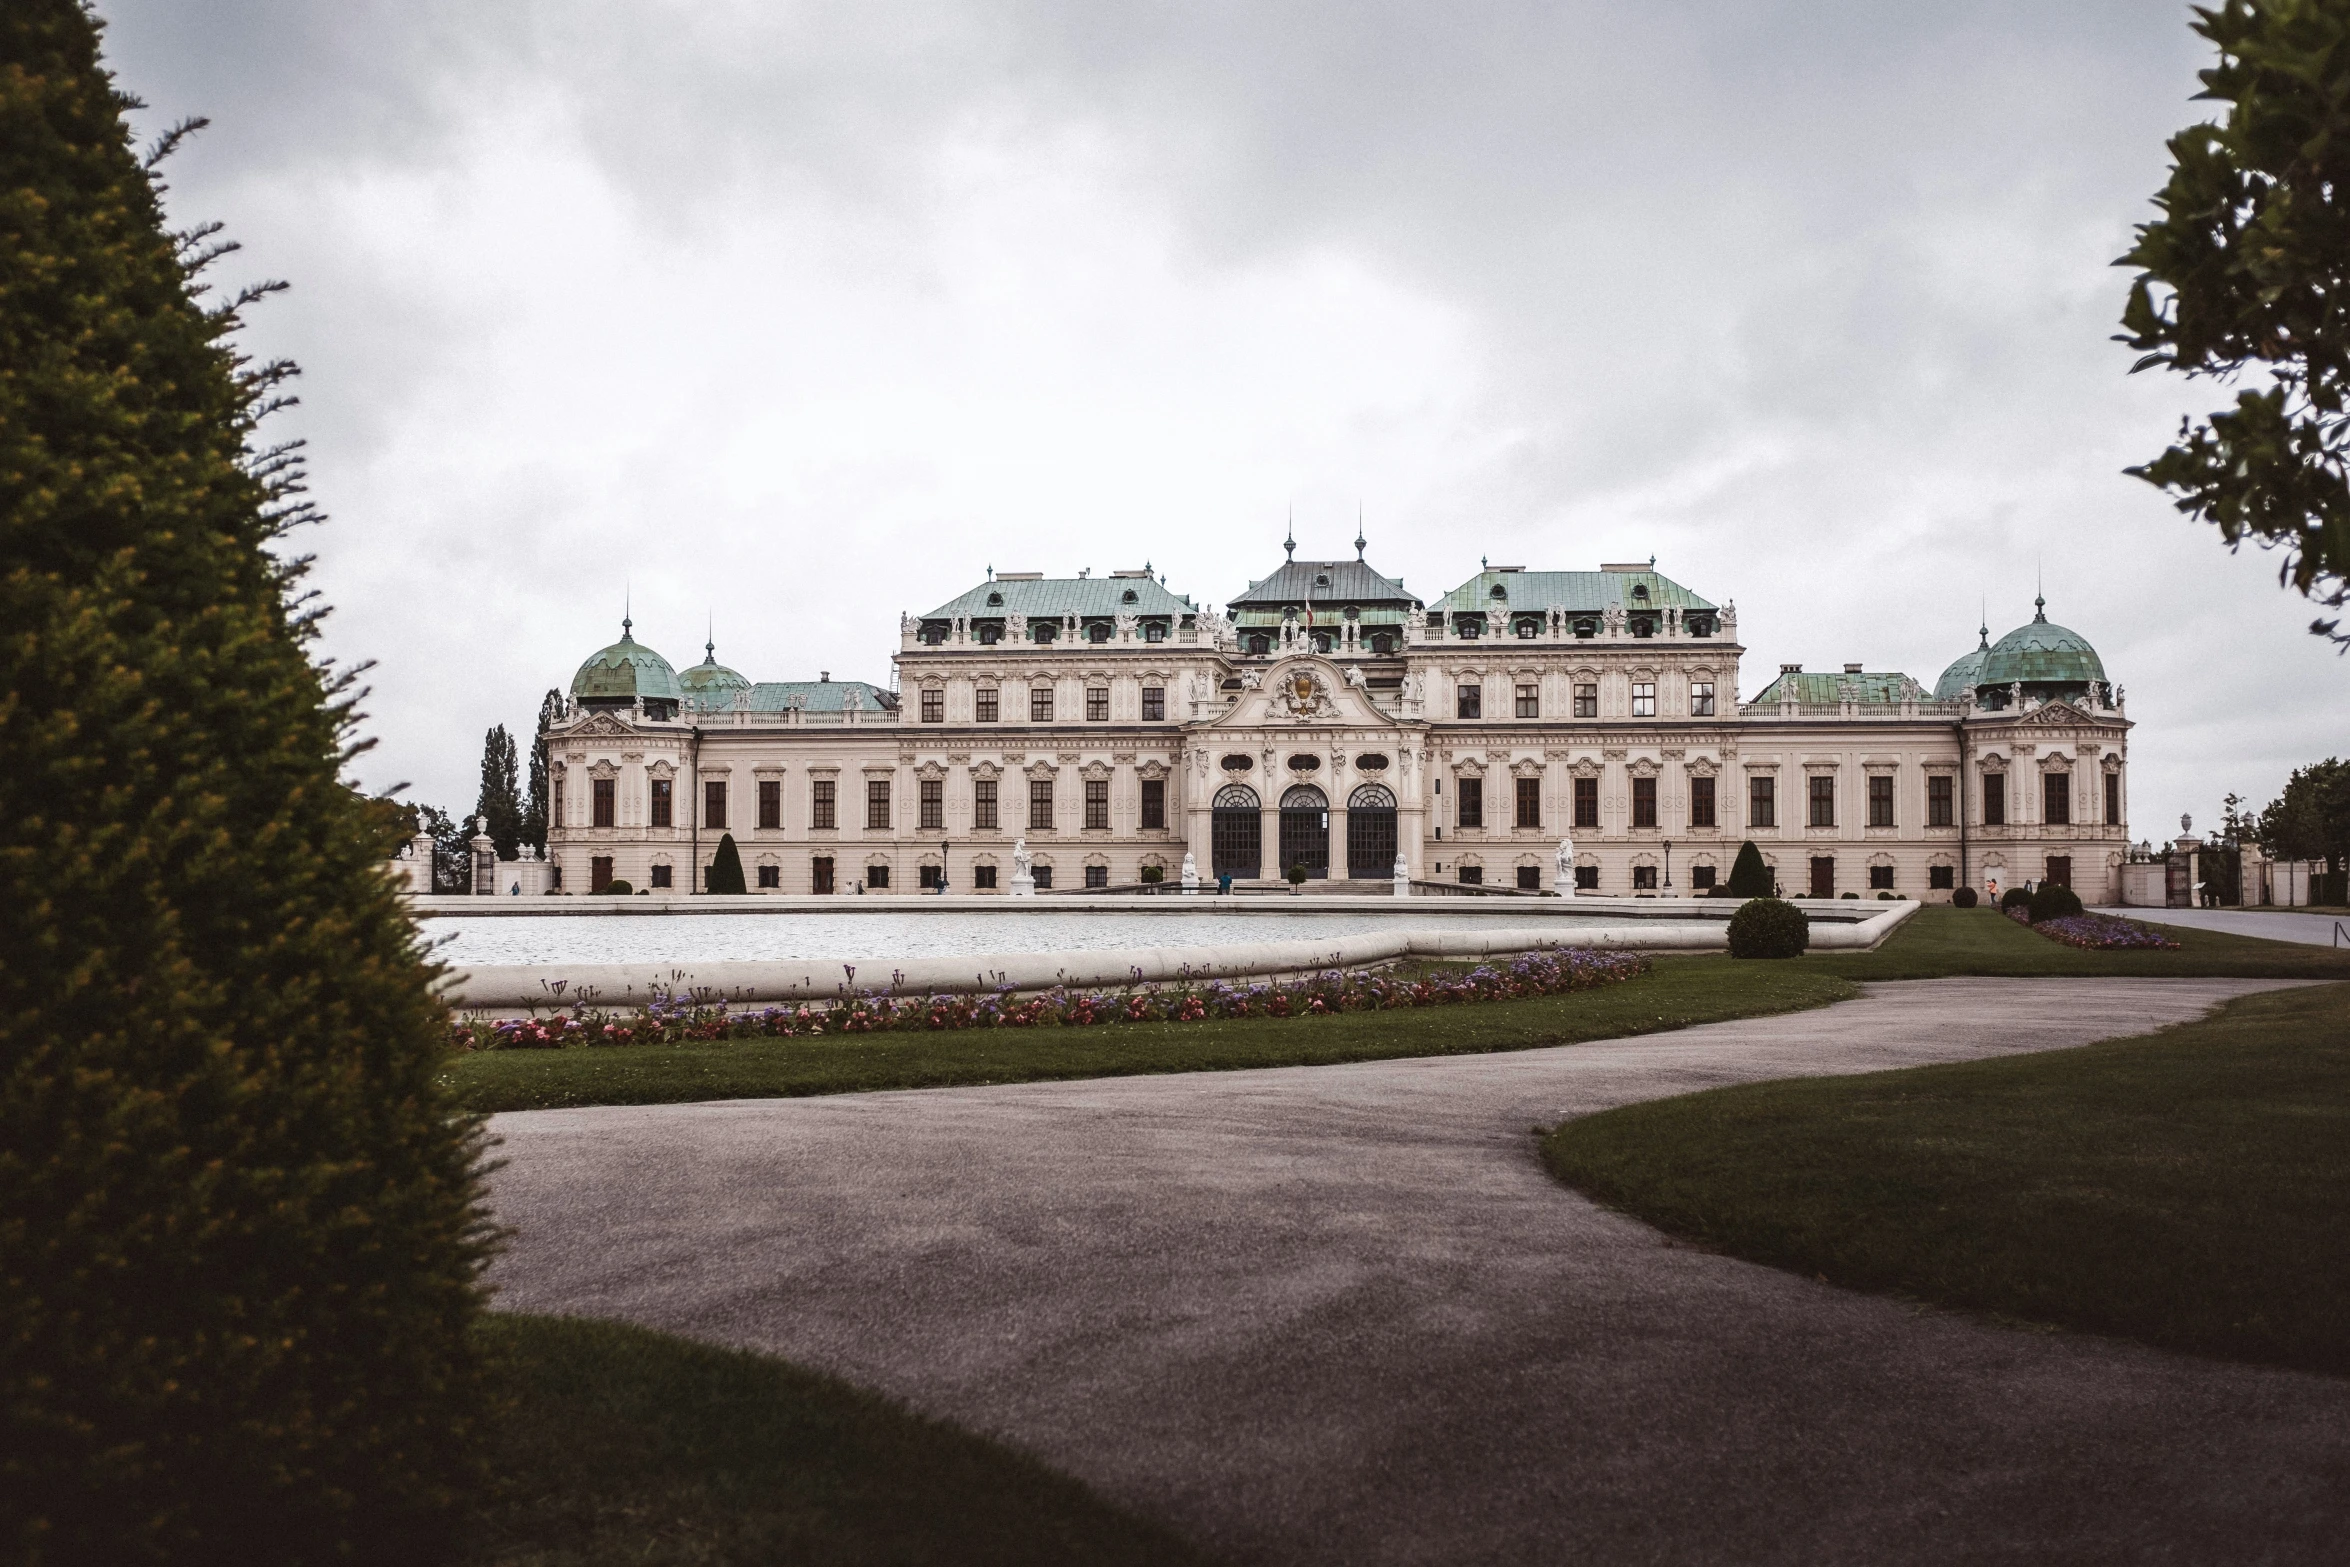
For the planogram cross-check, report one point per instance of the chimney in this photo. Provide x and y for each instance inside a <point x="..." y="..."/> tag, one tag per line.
<point x="1852" y="669"/>
<point x="824" y="676"/>
<point x="1790" y="669"/>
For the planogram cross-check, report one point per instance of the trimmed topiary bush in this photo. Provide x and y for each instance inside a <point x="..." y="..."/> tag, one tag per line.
<point x="1769" y="928"/>
<point x="1749" y="876"/>
<point x="726" y="866"/>
<point x="241" y="1228"/>
<point x="619" y="887"/>
<point x="2015" y="898"/>
<point x="2052" y="902"/>
<point x="1154" y="874"/>
<point x="1964" y="898"/>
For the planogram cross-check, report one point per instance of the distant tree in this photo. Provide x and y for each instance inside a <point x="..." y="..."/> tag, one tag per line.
<point x="452" y="848"/>
<point x="1749" y="876"/>
<point x="241" y="1224"/>
<point x="2311" y="819"/>
<point x="2249" y="269"/>
<point x="501" y="792"/>
<point x="726" y="867"/>
<point x="534" y="806"/>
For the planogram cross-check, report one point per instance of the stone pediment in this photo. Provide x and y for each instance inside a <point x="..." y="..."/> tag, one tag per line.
<point x="601" y="726"/>
<point x="1298" y="691"/>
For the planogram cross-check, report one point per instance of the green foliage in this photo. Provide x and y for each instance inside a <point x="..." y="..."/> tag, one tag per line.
<point x="1749" y="876"/>
<point x="2248" y="269"/>
<point x="2311" y="819"/>
<point x="534" y="807"/>
<point x="1964" y="898"/>
<point x="1154" y="873"/>
<point x="1297" y="874"/>
<point x="240" y="1224"/>
<point x="726" y="866"/>
<point x="1769" y="928"/>
<point x="2015" y="898"/>
<point x="500" y="802"/>
<point x="619" y="887"/>
<point x="2052" y="902"/>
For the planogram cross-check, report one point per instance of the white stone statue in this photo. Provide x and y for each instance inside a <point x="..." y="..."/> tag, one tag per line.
<point x="1023" y="879"/>
<point x="1190" y="875"/>
<point x="1403" y="876"/>
<point x="1562" y="879"/>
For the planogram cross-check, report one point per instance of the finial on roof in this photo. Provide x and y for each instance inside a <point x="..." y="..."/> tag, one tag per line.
<point x="627" y="608"/>
<point x="1983" y="626"/>
<point x="1652" y="560"/>
<point x="710" y="638"/>
<point x="1290" y="543"/>
<point x="991" y="573"/>
<point x="1484" y="563"/>
<point x="1359" y="541"/>
<point x="2039" y="609"/>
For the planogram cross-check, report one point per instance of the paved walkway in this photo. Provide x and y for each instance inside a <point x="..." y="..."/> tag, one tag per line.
<point x="1342" y="1315"/>
<point x="2268" y="924"/>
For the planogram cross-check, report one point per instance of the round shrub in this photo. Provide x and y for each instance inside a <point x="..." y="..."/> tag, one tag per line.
<point x="1852" y="895"/>
<point x="2015" y="898"/>
<point x="1964" y="898"/>
<point x="618" y="887"/>
<point x="1885" y="897"/>
<point x="2050" y="902"/>
<point x="1769" y="928"/>
<point x="1153" y="874"/>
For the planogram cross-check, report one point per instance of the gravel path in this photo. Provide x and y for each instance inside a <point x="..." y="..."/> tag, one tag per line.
<point x="2315" y="930"/>
<point x="1341" y="1314"/>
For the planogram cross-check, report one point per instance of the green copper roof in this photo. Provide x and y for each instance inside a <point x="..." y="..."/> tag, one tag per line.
<point x="1965" y="671"/>
<point x="1885" y="688"/>
<point x="818" y="696"/>
<point x="1325" y="584"/>
<point x="1048" y="597"/>
<point x="1588" y="592"/>
<point x="624" y="671"/>
<point x="2041" y="653"/>
<point x="709" y="683"/>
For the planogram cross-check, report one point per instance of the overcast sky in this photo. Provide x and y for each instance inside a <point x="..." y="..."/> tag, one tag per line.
<point x="800" y="316"/>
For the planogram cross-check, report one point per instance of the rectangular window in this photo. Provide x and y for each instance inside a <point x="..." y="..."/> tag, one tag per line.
<point x="1154" y="704"/>
<point x="662" y="876"/>
<point x="1701" y="699"/>
<point x="1042" y="876"/>
<point x="1529" y="802"/>
<point x="1471" y="797"/>
<point x="983" y="805"/>
<point x="1643" y="699"/>
<point x="1823" y="876"/>
<point x="1762" y="800"/>
<point x="1097" y="875"/>
<point x="1941" y="878"/>
<point x="664" y="808"/>
<point x="1154" y="804"/>
<point x="770" y="876"/>
<point x="2056" y="799"/>
<point x="1644" y="878"/>
<point x="2113" y="799"/>
<point x="1472" y="875"/>
<point x="1040" y="704"/>
<point x="1587" y="701"/>
<point x="1097" y="805"/>
<point x="931" y="799"/>
<point x="1880" y="878"/>
<point x="1938" y="800"/>
<point x="557" y="816"/>
<point x="1587" y="802"/>
<point x="876" y="804"/>
<point x="1586" y="878"/>
<point x="933" y="878"/>
<point x="1994" y="799"/>
<point x="600" y="873"/>
<point x="1097" y="704"/>
<point x="1529" y="701"/>
<point x="603" y="801"/>
<point x="1644" y="802"/>
<point x="987" y="705"/>
<point x="934" y="705"/>
<point x="820" y="798"/>
<point x="2060" y="869"/>
<point x="1701" y="878"/>
<point x="770" y="802"/>
<point x="877" y="876"/>
<point x="983" y="878"/>
<point x="1701" y="805"/>
<point x="1469" y="700"/>
<point x="1040" y="805"/>
<point x="1529" y="878"/>
<point x="1823" y="800"/>
<point x="1881" y="800"/>
<point x="820" y="874"/>
<point x="714" y="804"/>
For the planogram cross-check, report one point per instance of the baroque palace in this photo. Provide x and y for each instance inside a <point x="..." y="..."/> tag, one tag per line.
<point x="1331" y="719"/>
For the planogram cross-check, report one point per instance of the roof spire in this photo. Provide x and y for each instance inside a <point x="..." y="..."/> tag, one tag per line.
<point x="627" y="609"/>
<point x="1983" y="630"/>
<point x="2039" y="594"/>
<point x="1290" y="543"/>
<point x="710" y="637"/>
<point x="1359" y="541"/>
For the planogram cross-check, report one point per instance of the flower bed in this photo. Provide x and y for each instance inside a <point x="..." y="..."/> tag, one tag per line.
<point x="2099" y="932"/>
<point x="671" y="1018"/>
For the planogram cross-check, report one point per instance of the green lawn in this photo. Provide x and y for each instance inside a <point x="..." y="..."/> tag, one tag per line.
<point x="1680" y="992"/>
<point x="1937" y="943"/>
<point x="615" y="1446"/>
<point x="2189" y="1188"/>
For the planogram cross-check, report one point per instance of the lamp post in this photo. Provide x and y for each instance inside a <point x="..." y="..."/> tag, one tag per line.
<point x="943" y="847"/>
<point x="1668" y="867"/>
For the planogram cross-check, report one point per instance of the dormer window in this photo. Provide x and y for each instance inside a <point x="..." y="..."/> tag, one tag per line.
<point x="995" y="601"/>
<point x="1046" y="631"/>
<point x="1155" y="631"/>
<point x="1639" y="591"/>
<point x="1500" y="593"/>
<point x="1097" y="632"/>
<point x="990" y="634"/>
<point x="1260" y="645"/>
<point x="1128" y="597"/>
<point x="1470" y="627"/>
<point x="1322" y="580"/>
<point x="1528" y="629"/>
<point x="1699" y="625"/>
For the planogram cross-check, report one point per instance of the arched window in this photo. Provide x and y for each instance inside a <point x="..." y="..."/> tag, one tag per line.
<point x="1301" y="797"/>
<point x="1236" y="797"/>
<point x="1381" y="644"/>
<point x="1322" y="642"/>
<point x="995" y="601"/>
<point x="1371" y="797"/>
<point x="1260" y="644"/>
<point x="1529" y="628"/>
<point x="1097" y="632"/>
<point x="1156" y="631"/>
<point x="1128" y="597"/>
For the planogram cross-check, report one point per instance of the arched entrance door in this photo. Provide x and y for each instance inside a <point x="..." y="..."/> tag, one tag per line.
<point x="1236" y="833"/>
<point x="1370" y="833"/>
<point x="1305" y="830"/>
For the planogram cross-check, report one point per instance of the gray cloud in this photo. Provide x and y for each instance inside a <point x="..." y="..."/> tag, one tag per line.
<point x="803" y="315"/>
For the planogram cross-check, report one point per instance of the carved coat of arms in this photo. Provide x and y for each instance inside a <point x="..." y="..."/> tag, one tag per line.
<point x="1303" y="695"/>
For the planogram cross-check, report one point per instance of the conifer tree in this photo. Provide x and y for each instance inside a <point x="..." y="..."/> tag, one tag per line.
<point x="500" y="801"/>
<point x="1749" y="876"/>
<point x="726" y="867"/>
<point x="535" y="807"/>
<point x="241" y="1226"/>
